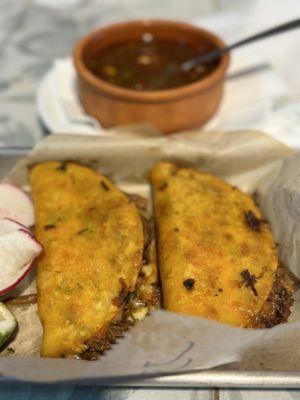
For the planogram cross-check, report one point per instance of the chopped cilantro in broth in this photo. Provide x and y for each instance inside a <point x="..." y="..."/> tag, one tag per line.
<point x="143" y="64"/>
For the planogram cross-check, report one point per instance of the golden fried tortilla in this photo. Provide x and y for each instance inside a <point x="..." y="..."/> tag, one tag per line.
<point x="217" y="257"/>
<point x="93" y="247"/>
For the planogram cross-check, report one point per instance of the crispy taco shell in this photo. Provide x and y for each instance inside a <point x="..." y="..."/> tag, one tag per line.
<point x="217" y="256"/>
<point x="89" y="274"/>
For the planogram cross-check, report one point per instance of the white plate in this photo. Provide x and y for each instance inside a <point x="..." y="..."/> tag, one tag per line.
<point x="242" y="107"/>
<point x="51" y="112"/>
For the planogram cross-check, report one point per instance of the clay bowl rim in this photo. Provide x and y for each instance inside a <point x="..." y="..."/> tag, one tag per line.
<point x="149" y="96"/>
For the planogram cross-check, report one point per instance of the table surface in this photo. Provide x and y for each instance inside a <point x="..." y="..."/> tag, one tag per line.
<point x="32" y="34"/>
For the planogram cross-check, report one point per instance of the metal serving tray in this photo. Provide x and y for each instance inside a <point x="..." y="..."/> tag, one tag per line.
<point x="222" y="377"/>
<point x="201" y="379"/>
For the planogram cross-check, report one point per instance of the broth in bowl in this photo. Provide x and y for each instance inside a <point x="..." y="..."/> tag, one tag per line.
<point x="143" y="64"/>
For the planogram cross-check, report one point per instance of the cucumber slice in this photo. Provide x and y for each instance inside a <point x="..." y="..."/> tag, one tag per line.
<point x="8" y="324"/>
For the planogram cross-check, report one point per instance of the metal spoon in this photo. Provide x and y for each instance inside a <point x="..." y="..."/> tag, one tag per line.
<point x="214" y="54"/>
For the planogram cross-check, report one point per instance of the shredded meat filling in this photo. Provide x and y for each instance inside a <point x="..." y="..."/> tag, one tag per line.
<point x="277" y="307"/>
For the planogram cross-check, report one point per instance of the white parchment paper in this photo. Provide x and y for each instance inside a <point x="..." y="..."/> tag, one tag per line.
<point x="166" y="342"/>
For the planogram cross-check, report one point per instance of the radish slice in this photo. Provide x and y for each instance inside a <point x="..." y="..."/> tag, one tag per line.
<point x="16" y="204"/>
<point x="8" y="324"/>
<point x="18" y="250"/>
<point x="8" y="225"/>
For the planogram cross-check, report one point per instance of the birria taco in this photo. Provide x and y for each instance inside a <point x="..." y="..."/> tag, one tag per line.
<point x="98" y="273"/>
<point x="217" y="256"/>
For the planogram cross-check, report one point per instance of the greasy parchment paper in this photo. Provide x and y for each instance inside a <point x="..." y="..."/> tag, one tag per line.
<point x="166" y="342"/>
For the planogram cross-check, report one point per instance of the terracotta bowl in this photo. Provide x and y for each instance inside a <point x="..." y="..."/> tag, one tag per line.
<point x="170" y="110"/>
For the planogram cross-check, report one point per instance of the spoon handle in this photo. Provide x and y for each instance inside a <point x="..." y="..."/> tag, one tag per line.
<point x="211" y="55"/>
<point x="269" y="32"/>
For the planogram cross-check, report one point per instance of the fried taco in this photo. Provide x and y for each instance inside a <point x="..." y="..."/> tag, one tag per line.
<point x="98" y="272"/>
<point x="217" y="256"/>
